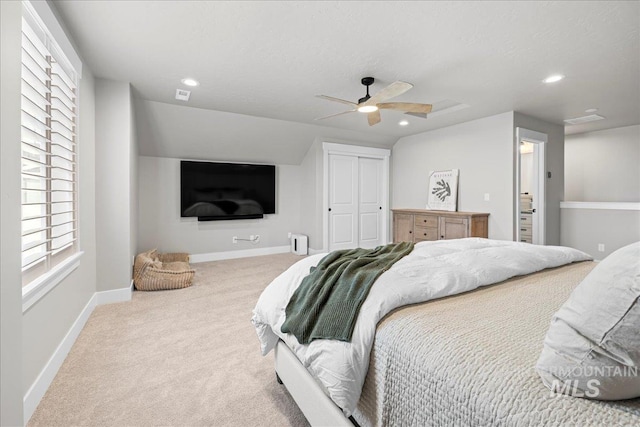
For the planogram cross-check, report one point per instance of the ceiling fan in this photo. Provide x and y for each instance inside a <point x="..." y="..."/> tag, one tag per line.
<point x="371" y="105"/>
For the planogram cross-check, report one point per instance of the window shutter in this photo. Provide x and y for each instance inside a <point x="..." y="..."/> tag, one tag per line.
<point x="48" y="182"/>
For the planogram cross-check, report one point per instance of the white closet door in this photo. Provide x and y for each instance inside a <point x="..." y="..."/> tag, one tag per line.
<point x="343" y="202"/>
<point x="370" y="202"/>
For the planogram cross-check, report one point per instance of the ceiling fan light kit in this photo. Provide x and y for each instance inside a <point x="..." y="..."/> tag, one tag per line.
<point x="367" y="108"/>
<point x="371" y="105"/>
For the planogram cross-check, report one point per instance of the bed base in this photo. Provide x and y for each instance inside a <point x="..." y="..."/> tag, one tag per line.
<point x="316" y="406"/>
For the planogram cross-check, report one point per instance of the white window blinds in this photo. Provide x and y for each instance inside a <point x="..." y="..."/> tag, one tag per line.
<point x="49" y="178"/>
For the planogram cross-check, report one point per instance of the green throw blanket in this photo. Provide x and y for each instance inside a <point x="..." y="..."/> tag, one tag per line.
<point x="327" y="302"/>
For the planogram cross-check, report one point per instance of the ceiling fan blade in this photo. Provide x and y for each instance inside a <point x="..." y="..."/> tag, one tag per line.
<point x="408" y="107"/>
<point x="373" y="117"/>
<point x="343" y="101"/>
<point x="337" y="114"/>
<point x="391" y="91"/>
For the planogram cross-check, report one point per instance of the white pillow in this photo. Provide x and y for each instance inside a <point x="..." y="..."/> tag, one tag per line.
<point x="592" y="348"/>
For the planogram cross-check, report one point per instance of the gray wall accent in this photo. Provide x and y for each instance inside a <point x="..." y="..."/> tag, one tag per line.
<point x="584" y="229"/>
<point x="160" y="225"/>
<point x="11" y="391"/>
<point x="602" y="166"/>
<point x="482" y="150"/>
<point x="115" y="166"/>
<point x="60" y="308"/>
<point x="174" y="131"/>
<point x="554" y="158"/>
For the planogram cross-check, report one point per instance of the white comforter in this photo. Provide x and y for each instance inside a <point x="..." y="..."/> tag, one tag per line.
<point x="432" y="270"/>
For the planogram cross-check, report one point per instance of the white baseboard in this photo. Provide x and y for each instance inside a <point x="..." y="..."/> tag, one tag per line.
<point x="39" y="387"/>
<point x="41" y="384"/>
<point x="115" y="295"/>
<point x="244" y="253"/>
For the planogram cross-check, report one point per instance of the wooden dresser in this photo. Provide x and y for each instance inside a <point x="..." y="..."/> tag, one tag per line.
<point x="417" y="225"/>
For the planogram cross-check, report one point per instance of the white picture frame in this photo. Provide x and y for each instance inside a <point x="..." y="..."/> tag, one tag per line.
<point x="443" y="190"/>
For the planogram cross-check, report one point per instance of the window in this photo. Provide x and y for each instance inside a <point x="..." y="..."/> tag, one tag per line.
<point x="49" y="169"/>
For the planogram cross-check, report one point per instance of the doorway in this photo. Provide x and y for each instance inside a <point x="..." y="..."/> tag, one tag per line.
<point x="530" y="186"/>
<point x="356" y="196"/>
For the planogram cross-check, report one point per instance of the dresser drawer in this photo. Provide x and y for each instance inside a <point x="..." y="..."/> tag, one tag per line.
<point x="526" y="230"/>
<point x="426" y="221"/>
<point x="424" y="233"/>
<point x="525" y="220"/>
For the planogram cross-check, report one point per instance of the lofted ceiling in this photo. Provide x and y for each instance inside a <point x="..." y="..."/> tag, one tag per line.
<point x="270" y="59"/>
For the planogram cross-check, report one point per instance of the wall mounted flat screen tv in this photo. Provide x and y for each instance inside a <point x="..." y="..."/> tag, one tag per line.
<point x="220" y="191"/>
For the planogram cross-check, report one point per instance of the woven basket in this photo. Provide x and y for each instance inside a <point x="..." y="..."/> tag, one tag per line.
<point x="155" y="272"/>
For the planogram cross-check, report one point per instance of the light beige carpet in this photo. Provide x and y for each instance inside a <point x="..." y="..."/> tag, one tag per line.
<point x="187" y="357"/>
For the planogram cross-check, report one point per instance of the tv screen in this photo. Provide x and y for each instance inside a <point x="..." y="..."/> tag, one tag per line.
<point x="219" y="191"/>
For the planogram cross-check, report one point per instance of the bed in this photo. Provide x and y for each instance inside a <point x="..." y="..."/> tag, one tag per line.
<point x="464" y="359"/>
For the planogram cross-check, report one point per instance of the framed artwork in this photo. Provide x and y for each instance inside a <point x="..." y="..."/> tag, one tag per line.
<point x="443" y="190"/>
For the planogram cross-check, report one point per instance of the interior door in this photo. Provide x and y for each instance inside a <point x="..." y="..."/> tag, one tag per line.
<point x="370" y="202"/>
<point x="530" y="194"/>
<point x="343" y="202"/>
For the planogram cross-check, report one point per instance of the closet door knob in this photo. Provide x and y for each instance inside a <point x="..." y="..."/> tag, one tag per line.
<point x="329" y="209"/>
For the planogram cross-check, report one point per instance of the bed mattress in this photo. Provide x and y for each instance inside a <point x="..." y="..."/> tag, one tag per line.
<point x="469" y="360"/>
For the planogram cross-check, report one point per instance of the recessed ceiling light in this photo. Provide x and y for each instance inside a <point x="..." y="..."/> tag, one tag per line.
<point x="367" y="109"/>
<point x="403" y="123"/>
<point x="190" y="82"/>
<point x="591" y="110"/>
<point x="554" y="78"/>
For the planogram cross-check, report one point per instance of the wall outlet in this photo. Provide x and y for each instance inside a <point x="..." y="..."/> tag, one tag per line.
<point x="600" y="247"/>
<point x="289" y="235"/>
<point x="235" y="239"/>
<point x="487" y="197"/>
<point x="252" y="237"/>
<point x="256" y="238"/>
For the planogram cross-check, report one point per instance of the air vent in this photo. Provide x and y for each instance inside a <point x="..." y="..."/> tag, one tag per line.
<point x="183" y="95"/>
<point x="584" y="119"/>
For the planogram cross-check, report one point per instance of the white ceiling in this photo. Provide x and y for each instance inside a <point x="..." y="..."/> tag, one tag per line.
<point x="269" y="59"/>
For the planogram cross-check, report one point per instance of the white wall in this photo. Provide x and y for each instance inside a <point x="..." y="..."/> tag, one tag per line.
<point x="180" y="131"/>
<point x="482" y="150"/>
<point x="311" y="195"/>
<point x="115" y="184"/>
<point x="585" y="229"/>
<point x="133" y="180"/>
<point x="30" y="339"/>
<point x="11" y="391"/>
<point x="603" y="166"/>
<point x="160" y="225"/>
<point x="526" y="172"/>
<point x="60" y="308"/>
